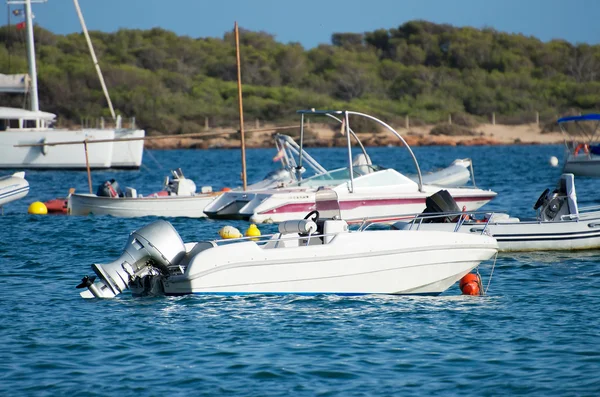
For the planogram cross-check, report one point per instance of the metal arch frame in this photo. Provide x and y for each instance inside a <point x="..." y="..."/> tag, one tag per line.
<point x="346" y="113"/>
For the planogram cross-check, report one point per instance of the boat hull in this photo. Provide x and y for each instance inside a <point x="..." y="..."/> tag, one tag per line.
<point x="13" y="188"/>
<point x="279" y="206"/>
<point x="104" y="155"/>
<point x="131" y="207"/>
<point x="582" y="165"/>
<point x="374" y="262"/>
<point x="531" y="236"/>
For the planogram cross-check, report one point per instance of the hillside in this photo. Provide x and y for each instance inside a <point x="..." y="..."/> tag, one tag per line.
<point x="177" y="85"/>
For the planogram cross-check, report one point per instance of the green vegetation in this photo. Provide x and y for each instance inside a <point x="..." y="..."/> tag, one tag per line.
<point x="174" y="84"/>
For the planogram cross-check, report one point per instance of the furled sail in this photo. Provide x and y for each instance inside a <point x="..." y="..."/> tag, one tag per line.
<point x="15" y="83"/>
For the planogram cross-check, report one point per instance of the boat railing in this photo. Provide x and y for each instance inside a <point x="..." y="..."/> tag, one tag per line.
<point x="344" y="118"/>
<point x="275" y="238"/>
<point x="458" y="219"/>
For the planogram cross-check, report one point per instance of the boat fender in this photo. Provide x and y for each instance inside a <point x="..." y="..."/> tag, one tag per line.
<point x="228" y="232"/>
<point x="584" y="146"/>
<point x="302" y="226"/>
<point x="470" y="284"/>
<point x="44" y="147"/>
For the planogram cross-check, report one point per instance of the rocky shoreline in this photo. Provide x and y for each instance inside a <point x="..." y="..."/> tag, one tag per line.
<point x="323" y="136"/>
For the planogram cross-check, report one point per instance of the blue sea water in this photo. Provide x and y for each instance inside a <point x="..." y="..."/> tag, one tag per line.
<point x="535" y="333"/>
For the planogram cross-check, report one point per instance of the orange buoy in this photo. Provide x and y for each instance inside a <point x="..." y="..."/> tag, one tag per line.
<point x="471" y="288"/>
<point x="470" y="284"/>
<point x="226" y="189"/>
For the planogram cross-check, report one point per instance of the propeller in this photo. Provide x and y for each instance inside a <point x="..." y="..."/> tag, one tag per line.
<point x="86" y="281"/>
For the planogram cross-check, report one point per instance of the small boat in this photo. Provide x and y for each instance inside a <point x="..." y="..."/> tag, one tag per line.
<point x="178" y="198"/>
<point x="13" y="187"/>
<point x="582" y="147"/>
<point x="365" y="190"/>
<point x="558" y="226"/>
<point x="314" y="255"/>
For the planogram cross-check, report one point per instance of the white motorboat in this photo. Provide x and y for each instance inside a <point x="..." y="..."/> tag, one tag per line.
<point x="315" y="255"/>
<point x="559" y="224"/>
<point x="582" y="149"/>
<point x="13" y="187"/>
<point x="364" y="190"/>
<point x="178" y="198"/>
<point x="28" y="138"/>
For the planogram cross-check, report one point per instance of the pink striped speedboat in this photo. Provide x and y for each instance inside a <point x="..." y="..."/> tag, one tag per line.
<point x="364" y="191"/>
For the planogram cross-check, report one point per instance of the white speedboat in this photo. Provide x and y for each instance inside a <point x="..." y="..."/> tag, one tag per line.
<point x="559" y="224"/>
<point x="178" y="198"/>
<point x="13" y="187"/>
<point x="582" y="149"/>
<point x="364" y="190"/>
<point x="28" y="138"/>
<point x="315" y="255"/>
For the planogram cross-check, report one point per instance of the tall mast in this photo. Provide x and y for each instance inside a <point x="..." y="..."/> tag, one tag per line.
<point x="31" y="57"/>
<point x="93" y="54"/>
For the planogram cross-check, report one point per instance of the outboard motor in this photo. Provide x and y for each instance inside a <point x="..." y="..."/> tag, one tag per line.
<point x="440" y="201"/>
<point x="562" y="201"/>
<point x="155" y="246"/>
<point x="109" y="189"/>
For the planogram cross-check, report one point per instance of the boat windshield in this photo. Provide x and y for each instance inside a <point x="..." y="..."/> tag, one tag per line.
<point x="337" y="177"/>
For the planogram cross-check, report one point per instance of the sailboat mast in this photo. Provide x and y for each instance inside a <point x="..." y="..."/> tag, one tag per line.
<point x="93" y="54"/>
<point x="31" y="58"/>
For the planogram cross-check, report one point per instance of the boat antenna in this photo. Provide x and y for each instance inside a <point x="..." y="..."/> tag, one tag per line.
<point x="239" y="84"/>
<point x="94" y="59"/>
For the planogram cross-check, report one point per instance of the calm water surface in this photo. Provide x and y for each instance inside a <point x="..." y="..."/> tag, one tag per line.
<point x="536" y="333"/>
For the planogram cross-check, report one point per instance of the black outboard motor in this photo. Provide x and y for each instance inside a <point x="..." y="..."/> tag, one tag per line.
<point x="440" y="201"/>
<point x="110" y="189"/>
<point x="561" y="202"/>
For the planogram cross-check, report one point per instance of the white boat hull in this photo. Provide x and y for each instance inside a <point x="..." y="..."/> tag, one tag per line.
<point x="287" y="204"/>
<point x="103" y="155"/>
<point x="563" y="235"/>
<point x="351" y="264"/>
<point x="13" y="187"/>
<point x="131" y="207"/>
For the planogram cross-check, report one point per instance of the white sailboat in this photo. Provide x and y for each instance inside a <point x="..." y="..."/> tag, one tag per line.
<point x="27" y="136"/>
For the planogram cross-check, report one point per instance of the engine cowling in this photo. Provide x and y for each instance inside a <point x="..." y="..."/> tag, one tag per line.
<point x="154" y="246"/>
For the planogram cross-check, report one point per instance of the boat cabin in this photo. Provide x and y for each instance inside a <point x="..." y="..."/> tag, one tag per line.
<point x="22" y="119"/>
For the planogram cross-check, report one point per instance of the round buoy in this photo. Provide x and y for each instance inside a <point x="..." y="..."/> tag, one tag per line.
<point x="470" y="284"/>
<point x="226" y="189"/>
<point x="252" y="231"/>
<point x="471" y="288"/>
<point x="227" y="232"/>
<point x="553" y="161"/>
<point x="37" y="208"/>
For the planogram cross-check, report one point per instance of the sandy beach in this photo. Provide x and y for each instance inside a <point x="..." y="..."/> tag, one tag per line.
<point x="324" y="135"/>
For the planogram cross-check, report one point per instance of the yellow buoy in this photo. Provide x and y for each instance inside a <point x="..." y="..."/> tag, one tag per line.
<point x="229" y="232"/>
<point x="252" y="231"/>
<point x="37" y="208"/>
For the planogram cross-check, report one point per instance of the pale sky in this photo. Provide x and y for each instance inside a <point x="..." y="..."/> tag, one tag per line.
<point x="311" y="22"/>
